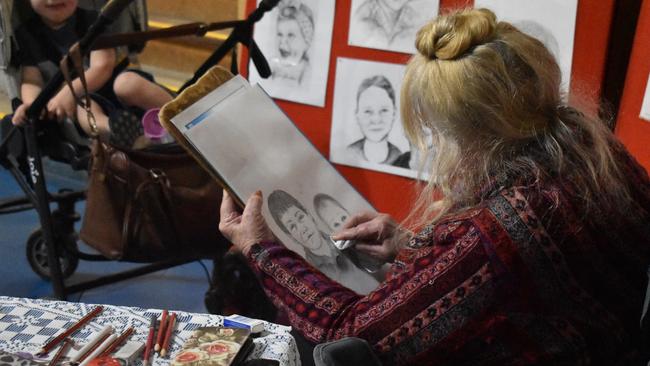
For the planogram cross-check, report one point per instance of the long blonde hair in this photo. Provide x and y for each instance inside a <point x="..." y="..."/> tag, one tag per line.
<point x="491" y="95"/>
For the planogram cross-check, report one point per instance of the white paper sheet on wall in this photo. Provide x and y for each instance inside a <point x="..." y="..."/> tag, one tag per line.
<point x="296" y="38"/>
<point x="389" y="25"/>
<point x="551" y="21"/>
<point x="645" y="107"/>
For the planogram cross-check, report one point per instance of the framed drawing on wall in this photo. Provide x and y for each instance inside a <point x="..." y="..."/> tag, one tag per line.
<point x="296" y="38"/>
<point x="389" y="24"/>
<point x="366" y="126"/>
<point x="553" y="22"/>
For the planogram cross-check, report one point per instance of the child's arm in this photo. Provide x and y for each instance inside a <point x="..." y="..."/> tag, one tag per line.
<point x="102" y="63"/>
<point x="30" y="86"/>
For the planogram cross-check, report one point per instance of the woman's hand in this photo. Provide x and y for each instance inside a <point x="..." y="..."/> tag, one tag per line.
<point x="244" y="230"/>
<point x="376" y="235"/>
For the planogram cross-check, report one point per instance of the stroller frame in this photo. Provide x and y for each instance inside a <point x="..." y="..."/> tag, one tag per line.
<point x="36" y="189"/>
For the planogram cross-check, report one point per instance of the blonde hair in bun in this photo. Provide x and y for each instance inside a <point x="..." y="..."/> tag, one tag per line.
<point x="490" y="94"/>
<point x="449" y="36"/>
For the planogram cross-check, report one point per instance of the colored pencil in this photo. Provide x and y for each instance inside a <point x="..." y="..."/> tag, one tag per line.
<point x="168" y="336"/>
<point x="61" y="352"/>
<point x="147" y="349"/>
<point x="118" y="341"/>
<point x="161" y="331"/>
<point x="53" y="343"/>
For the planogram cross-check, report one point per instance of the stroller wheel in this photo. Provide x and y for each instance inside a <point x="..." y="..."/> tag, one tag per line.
<point x="37" y="257"/>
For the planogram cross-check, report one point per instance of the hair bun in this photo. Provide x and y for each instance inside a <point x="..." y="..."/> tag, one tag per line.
<point x="449" y="36"/>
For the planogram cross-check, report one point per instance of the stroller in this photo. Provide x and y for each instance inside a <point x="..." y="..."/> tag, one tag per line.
<point x="59" y="142"/>
<point x="52" y="249"/>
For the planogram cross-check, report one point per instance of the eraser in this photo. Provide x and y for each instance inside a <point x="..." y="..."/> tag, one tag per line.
<point x="343" y="244"/>
<point x="130" y="351"/>
<point x="240" y="321"/>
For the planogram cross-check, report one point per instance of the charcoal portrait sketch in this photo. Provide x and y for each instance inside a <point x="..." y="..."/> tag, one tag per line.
<point x="389" y="24"/>
<point x="299" y="224"/>
<point x="296" y="38"/>
<point x="553" y="22"/>
<point x="305" y="198"/>
<point x="330" y="211"/>
<point x="375" y="113"/>
<point x="366" y="126"/>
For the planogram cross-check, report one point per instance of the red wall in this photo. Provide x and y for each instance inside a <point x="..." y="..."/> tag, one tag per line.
<point x="393" y="194"/>
<point x="632" y="130"/>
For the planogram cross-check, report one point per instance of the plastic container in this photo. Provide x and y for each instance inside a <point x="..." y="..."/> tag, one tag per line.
<point x="153" y="130"/>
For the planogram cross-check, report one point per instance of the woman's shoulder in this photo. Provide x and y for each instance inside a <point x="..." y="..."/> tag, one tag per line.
<point x="493" y="216"/>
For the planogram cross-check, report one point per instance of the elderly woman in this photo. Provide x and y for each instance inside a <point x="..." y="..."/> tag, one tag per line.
<point x="295" y="32"/>
<point x="535" y="254"/>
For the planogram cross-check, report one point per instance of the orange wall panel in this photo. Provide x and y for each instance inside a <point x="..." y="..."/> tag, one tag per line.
<point x="632" y="130"/>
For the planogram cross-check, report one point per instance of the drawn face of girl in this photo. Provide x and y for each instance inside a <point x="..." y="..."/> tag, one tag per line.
<point x="54" y="12"/>
<point x="291" y="43"/>
<point x="333" y="215"/>
<point x="394" y="5"/>
<point x="302" y="227"/>
<point x="375" y="113"/>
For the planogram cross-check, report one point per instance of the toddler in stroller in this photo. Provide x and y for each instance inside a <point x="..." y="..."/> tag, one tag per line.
<point x="51" y="27"/>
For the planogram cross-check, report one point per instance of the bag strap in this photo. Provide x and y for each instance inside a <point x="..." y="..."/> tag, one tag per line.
<point x="75" y="59"/>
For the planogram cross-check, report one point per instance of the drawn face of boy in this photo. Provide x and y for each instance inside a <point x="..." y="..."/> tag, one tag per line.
<point x="332" y="214"/>
<point x="394" y="5"/>
<point x="291" y="43"/>
<point x="375" y="113"/>
<point x="54" y="12"/>
<point x="302" y="227"/>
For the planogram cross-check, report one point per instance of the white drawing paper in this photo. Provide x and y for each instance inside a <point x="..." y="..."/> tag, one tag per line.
<point x="366" y="126"/>
<point x="389" y="24"/>
<point x="296" y="38"/>
<point x="553" y="22"/>
<point x="645" y="107"/>
<point x="253" y="145"/>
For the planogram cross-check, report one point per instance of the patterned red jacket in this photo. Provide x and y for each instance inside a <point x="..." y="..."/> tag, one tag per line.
<point x="521" y="279"/>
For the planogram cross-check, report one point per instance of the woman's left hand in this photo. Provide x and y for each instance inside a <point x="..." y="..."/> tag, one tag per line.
<point x="245" y="229"/>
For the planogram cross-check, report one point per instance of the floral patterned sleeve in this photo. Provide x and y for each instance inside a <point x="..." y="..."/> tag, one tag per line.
<point x="423" y="304"/>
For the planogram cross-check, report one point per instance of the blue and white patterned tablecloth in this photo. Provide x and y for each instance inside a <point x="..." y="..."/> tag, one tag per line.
<point x="27" y="324"/>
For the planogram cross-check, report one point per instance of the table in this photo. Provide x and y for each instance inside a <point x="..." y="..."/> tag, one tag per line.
<point x="27" y="324"/>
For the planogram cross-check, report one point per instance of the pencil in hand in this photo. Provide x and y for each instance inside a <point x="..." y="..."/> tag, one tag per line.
<point x="168" y="335"/>
<point x="147" y="349"/>
<point x="161" y="331"/>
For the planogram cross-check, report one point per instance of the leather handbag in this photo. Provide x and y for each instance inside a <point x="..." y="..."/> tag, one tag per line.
<point x="151" y="204"/>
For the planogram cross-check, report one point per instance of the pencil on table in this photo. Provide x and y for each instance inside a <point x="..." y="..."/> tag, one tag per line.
<point x="119" y="340"/>
<point x="147" y="349"/>
<point x="168" y="336"/>
<point x="61" y="352"/>
<point x="161" y="331"/>
<point x="53" y="343"/>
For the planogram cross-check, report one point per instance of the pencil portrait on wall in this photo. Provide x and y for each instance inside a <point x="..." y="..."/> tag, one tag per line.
<point x="389" y="24"/>
<point x="366" y="127"/>
<point x="295" y="37"/>
<point x="553" y="22"/>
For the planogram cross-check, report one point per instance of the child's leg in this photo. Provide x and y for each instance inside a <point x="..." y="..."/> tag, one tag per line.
<point x="100" y="118"/>
<point x="135" y="90"/>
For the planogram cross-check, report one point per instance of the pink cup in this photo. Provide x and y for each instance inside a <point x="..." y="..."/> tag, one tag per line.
<point x="151" y="125"/>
